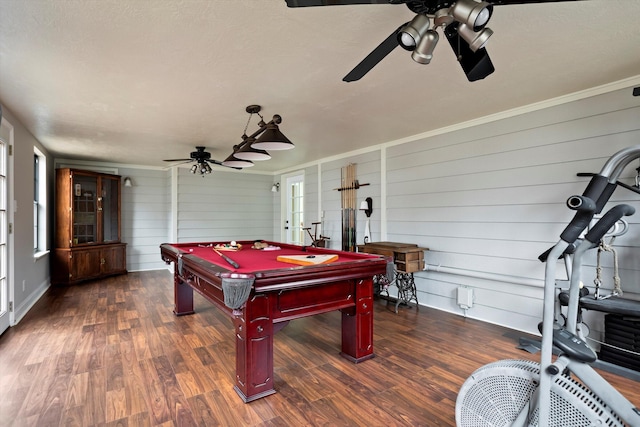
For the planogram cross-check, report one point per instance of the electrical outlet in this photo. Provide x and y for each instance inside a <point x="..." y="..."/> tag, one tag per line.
<point x="465" y="297"/>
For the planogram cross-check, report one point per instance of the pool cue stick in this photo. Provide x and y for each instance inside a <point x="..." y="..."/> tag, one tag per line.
<point x="353" y="208"/>
<point x="343" y="203"/>
<point x="351" y="205"/>
<point x="345" y="245"/>
<point x="346" y="209"/>
<point x="350" y="182"/>
<point x="226" y="258"/>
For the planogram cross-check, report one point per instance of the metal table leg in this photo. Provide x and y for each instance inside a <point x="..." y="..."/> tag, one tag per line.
<point x="381" y="284"/>
<point x="406" y="289"/>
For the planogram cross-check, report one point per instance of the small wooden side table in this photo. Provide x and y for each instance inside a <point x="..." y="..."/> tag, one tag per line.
<point x="407" y="258"/>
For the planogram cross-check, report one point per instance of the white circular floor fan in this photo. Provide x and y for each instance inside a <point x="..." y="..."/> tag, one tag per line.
<point x="495" y="394"/>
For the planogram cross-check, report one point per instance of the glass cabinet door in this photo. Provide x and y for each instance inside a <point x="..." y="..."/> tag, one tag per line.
<point x="109" y="204"/>
<point x="85" y="225"/>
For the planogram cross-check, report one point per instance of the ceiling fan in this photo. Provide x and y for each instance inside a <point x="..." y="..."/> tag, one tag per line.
<point x="463" y="23"/>
<point x="202" y="159"/>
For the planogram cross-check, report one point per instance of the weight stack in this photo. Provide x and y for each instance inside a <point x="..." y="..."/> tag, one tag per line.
<point x="622" y="332"/>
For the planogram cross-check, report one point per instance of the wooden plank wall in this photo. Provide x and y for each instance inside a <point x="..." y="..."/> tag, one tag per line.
<point x="491" y="198"/>
<point x="368" y="171"/>
<point x="312" y="211"/>
<point x="224" y="206"/>
<point x="146" y="210"/>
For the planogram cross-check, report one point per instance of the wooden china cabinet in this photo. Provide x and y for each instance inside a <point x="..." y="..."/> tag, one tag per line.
<point x="87" y="236"/>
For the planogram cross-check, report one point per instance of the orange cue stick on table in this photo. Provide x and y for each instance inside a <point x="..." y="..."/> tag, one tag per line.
<point x="226" y="258"/>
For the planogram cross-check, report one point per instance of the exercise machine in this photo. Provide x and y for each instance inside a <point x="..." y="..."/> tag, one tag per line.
<point x="567" y="391"/>
<point x="318" y="241"/>
<point x="610" y="303"/>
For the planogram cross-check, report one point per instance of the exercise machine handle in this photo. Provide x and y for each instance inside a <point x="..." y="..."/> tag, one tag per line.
<point x="607" y="221"/>
<point x="568" y="251"/>
<point x="593" y="199"/>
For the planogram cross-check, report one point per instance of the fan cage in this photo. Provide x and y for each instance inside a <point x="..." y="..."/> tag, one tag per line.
<point x="495" y="394"/>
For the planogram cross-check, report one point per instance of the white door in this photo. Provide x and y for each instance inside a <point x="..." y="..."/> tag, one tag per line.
<point x="5" y="159"/>
<point x="294" y="198"/>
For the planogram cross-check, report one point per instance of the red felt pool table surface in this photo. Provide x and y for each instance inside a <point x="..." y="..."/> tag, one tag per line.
<point x="252" y="261"/>
<point x="280" y="292"/>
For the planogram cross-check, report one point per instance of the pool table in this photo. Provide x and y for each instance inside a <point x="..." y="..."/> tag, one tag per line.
<point x="277" y="293"/>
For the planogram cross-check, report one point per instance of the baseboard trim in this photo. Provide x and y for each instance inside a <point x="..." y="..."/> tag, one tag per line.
<point x="21" y="310"/>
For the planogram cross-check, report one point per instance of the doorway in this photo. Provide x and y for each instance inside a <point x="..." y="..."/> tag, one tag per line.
<point x="293" y="194"/>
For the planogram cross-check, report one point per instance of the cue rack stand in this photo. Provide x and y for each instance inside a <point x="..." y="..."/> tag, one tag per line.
<point x="349" y="185"/>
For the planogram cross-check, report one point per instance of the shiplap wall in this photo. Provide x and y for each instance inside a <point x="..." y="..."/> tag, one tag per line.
<point x="312" y="202"/>
<point x="367" y="172"/>
<point x="145" y="216"/>
<point x="224" y="206"/>
<point x="490" y="198"/>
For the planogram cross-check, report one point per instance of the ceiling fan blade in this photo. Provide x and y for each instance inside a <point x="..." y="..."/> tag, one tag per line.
<point x="219" y="163"/>
<point x="305" y="3"/>
<point x="177" y="160"/>
<point x="377" y="55"/>
<point x="181" y="163"/>
<point x="476" y="65"/>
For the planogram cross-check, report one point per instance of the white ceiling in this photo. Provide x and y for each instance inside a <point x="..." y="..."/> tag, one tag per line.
<point x="139" y="81"/>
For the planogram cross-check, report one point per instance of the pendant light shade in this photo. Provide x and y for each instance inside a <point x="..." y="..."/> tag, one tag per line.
<point x="273" y="139"/>
<point x="247" y="152"/>
<point x="234" y="162"/>
<point x="250" y="149"/>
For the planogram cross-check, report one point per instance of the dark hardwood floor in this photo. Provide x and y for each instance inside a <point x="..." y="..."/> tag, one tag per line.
<point x="111" y="353"/>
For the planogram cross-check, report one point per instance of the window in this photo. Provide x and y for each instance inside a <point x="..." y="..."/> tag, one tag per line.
<point x="39" y="202"/>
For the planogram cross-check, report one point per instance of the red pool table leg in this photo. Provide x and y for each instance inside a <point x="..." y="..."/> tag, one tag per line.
<point x="254" y="349"/>
<point x="357" y="325"/>
<point x="182" y="297"/>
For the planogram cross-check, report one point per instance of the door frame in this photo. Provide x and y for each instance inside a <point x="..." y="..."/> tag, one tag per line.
<point x="285" y="195"/>
<point x="9" y="320"/>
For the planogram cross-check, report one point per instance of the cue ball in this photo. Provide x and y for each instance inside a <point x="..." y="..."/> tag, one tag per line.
<point x="233" y="243"/>
<point x="190" y="249"/>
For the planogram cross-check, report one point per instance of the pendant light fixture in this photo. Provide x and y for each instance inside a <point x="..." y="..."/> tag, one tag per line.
<point x="272" y="138"/>
<point x="251" y="149"/>
<point x="247" y="152"/>
<point x="233" y="162"/>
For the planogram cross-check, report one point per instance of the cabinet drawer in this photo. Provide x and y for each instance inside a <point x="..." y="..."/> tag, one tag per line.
<point x="410" y="266"/>
<point x="410" y="256"/>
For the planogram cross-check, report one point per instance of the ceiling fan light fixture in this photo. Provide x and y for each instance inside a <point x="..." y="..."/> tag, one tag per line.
<point x="476" y="40"/>
<point x="476" y="65"/>
<point x="272" y="139"/>
<point x="424" y="51"/>
<point x="234" y="162"/>
<point x="194" y="169"/>
<point x="409" y="36"/>
<point x="442" y="18"/>
<point x="475" y="14"/>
